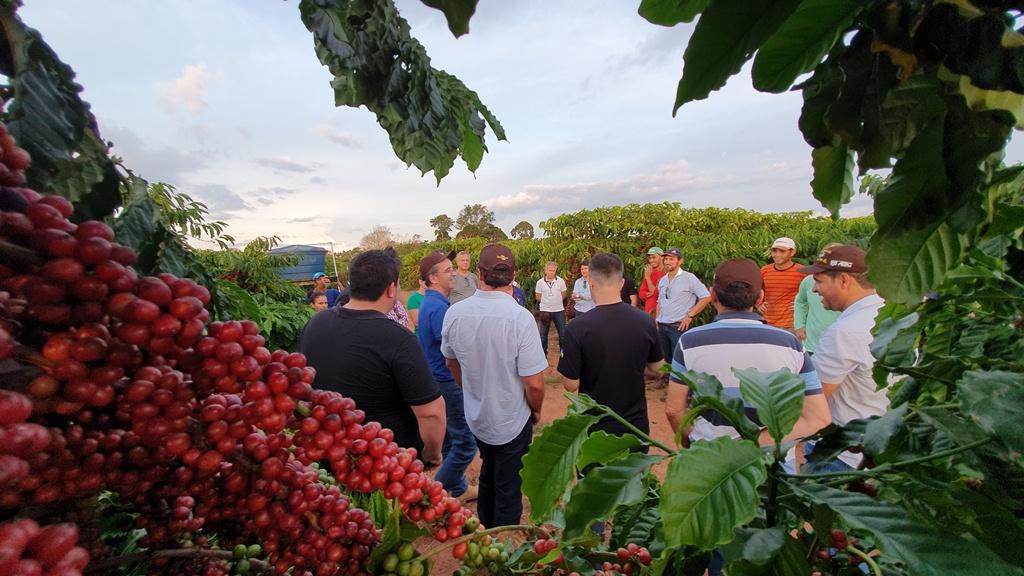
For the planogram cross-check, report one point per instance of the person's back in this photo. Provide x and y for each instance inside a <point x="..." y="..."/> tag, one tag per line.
<point x="371" y="359"/>
<point x="485" y="333"/>
<point x="608" y="350"/>
<point x="357" y="351"/>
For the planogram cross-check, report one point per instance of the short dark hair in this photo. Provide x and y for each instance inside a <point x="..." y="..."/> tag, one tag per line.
<point x="371" y="272"/>
<point x="585" y="262"/>
<point x="605" y="266"/>
<point x="316" y="294"/>
<point x="860" y="278"/>
<point x="497" y="278"/>
<point x="737" y="296"/>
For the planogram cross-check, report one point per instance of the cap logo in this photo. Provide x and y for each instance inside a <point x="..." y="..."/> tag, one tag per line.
<point x="840" y="263"/>
<point x="501" y="257"/>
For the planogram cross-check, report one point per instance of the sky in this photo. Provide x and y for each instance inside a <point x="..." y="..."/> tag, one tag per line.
<point x="226" y="100"/>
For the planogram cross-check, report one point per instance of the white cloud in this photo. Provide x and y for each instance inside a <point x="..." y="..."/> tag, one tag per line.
<point x="333" y="134"/>
<point x="287" y="164"/>
<point x="188" y="90"/>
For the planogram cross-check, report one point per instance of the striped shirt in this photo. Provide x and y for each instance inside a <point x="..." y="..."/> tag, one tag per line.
<point x="780" y="288"/>
<point x="739" y="340"/>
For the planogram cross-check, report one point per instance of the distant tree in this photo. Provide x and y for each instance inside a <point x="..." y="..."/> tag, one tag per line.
<point x="442" y="225"/>
<point x="378" y="238"/>
<point x="487" y="230"/>
<point x="474" y="214"/>
<point x="522" y="231"/>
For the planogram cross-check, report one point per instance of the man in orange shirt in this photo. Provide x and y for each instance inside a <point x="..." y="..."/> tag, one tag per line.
<point x="781" y="284"/>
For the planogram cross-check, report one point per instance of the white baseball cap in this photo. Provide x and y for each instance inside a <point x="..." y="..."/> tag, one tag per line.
<point x="784" y="242"/>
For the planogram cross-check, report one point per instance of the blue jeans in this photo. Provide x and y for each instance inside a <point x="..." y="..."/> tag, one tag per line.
<point x="559" y="319"/>
<point x="836" y="465"/>
<point x="668" y="337"/>
<point x="501" y="499"/>
<point x="459" y="446"/>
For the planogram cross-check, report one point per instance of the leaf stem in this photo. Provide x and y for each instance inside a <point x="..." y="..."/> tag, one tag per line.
<point x="893" y="465"/>
<point x="636" y="431"/>
<point x="496" y="530"/>
<point x="850" y="548"/>
<point x="107" y="563"/>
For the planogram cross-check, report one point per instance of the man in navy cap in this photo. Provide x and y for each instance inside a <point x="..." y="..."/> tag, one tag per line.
<point x="681" y="297"/>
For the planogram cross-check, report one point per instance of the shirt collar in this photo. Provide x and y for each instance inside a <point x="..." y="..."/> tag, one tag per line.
<point x="871" y="300"/>
<point x="436" y="294"/>
<point x="736" y="315"/>
<point x="494" y="294"/>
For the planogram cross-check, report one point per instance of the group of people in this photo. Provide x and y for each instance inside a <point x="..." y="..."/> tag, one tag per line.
<point x="470" y="378"/>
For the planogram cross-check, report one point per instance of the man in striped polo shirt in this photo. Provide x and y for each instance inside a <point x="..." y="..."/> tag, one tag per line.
<point x="740" y="338"/>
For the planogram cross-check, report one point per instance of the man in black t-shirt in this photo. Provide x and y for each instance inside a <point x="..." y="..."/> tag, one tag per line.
<point x="607" y="350"/>
<point x="630" y="295"/>
<point x="357" y="351"/>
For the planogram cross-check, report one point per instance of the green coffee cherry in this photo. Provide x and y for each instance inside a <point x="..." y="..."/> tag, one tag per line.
<point x="240" y="551"/>
<point x="254" y="550"/>
<point x="406" y="551"/>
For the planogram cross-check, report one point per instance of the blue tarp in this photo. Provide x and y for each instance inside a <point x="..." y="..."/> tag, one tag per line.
<point x="310" y="261"/>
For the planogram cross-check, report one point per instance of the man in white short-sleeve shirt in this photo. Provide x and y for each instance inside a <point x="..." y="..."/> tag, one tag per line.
<point x="843" y="357"/>
<point x="491" y="346"/>
<point x="550" y="296"/>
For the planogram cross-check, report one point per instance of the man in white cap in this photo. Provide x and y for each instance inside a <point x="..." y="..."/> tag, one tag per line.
<point x="781" y="283"/>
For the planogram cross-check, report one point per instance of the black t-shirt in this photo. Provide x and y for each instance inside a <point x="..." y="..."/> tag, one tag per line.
<point x="371" y="359"/>
<point x="607" y="349"/>
<point x="628" y="289"/>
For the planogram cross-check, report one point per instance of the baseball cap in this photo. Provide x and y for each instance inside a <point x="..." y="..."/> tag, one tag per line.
<point x="496" y="257"/>
<point x="784" y="242"/>
<point x="742" y="270"/>
<point x="655" y="251"/>
<point x="318" y="275"/>
<point x="842" y="258"/>
<point x="430" y="260"/>
<point x="673" y="252"/>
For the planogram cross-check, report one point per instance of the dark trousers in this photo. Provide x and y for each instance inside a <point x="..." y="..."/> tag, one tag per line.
<point x="668" y="337"/>
<point x="459" y="446"/>
<point x="501" y="501"/>
<point x="559" y="320"/>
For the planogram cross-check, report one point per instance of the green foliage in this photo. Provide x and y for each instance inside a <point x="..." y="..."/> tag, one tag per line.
<point x="430" y="116"/>
<point x="50" y="120"/>
<point x="710" y="490"/>
<point x="474" y="214"/>
<point x="603" y="489"/>
<point x="442" y="225"/>
<point x="778" y="398"/>
<point x="551" y="462"/>
<point x="522" y="231"/>
<point x="189" y="217"/>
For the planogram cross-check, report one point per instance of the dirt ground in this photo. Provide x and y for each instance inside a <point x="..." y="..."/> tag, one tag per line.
<point x="555" y="406"/>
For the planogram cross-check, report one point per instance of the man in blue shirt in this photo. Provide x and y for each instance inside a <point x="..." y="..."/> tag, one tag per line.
<point x="459" y="448"/>
<point x="681" y="297"/>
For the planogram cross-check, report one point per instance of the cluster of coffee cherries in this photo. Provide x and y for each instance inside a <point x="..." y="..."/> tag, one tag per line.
<point x="28" y="549"/>
<point x="124" y="384"/>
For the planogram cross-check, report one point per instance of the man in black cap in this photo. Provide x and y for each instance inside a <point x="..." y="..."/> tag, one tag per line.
<point x="459" y="447"/>
<point x="493" y="352"/>
<point x="843" y="355"/>
<point x="357" y="351"/>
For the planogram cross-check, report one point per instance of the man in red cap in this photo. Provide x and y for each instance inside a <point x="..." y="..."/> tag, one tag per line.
<point x="843" y="356"/>
<point x="493" y="351"/>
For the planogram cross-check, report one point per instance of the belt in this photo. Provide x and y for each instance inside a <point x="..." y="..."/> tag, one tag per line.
<point x="672" y="324"/>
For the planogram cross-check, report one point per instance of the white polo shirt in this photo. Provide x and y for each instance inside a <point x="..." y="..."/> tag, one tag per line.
<point x="495" y="341"/>
<point x="550" y="294"/>
<point x="844" y="358"/>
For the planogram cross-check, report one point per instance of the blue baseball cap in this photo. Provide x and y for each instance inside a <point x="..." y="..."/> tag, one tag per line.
<point x="318" y="275"/>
